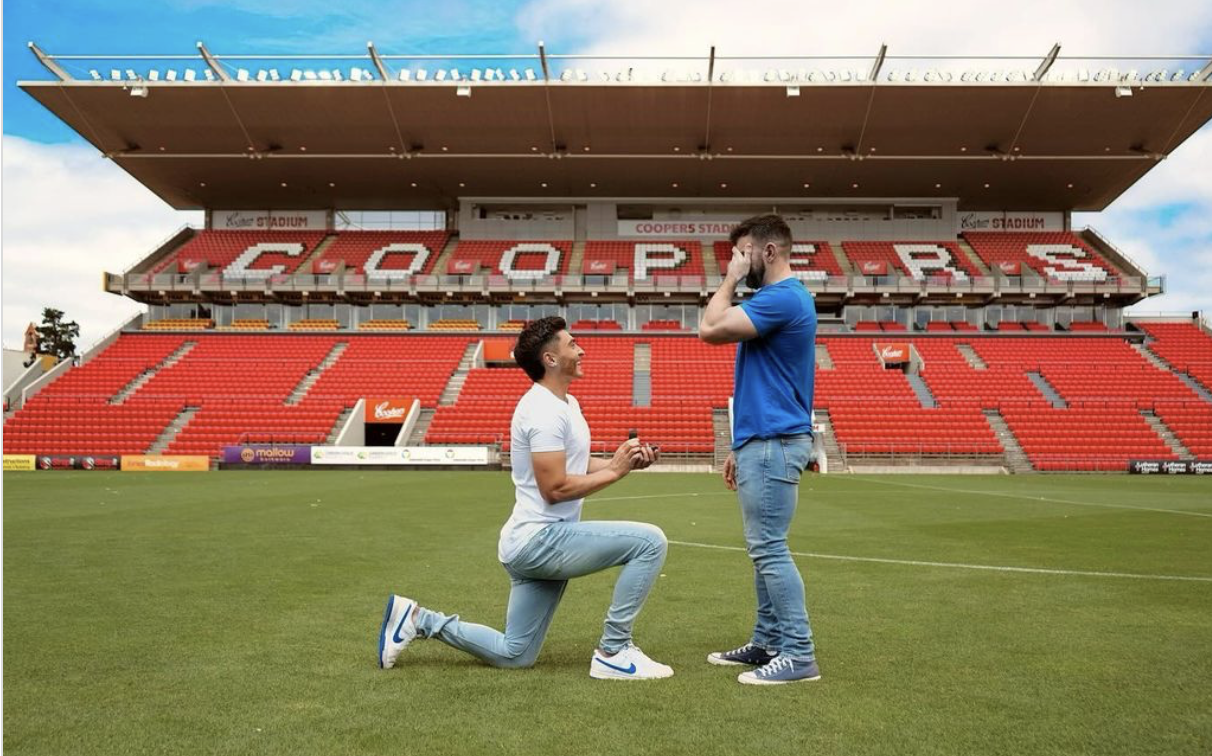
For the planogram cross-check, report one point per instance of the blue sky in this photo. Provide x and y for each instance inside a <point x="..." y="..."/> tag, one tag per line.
<point x="1164" y="222"/>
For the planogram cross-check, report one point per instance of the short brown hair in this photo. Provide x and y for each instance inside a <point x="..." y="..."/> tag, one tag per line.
<point x="533" y="339"/>
<point x="764" y="229"/>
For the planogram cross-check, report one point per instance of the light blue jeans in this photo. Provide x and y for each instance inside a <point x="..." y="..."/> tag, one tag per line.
<point x="767" y="476"/>
<point x="539" y="574"/>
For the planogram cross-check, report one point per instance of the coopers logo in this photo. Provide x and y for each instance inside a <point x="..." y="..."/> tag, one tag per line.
<point x="384" y="411"/>
<point x="391" y="409"/>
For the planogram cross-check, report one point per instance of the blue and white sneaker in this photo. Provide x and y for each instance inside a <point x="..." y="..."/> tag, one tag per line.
<point x="629" y="664"/>
<point x="780" y="671"/>
<point x="754" y="656"/>
<point x="398" y="630"/>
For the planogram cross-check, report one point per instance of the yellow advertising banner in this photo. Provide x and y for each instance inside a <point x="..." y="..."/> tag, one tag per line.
<point x="164" y="463"/>
<point x="19" y="462"/>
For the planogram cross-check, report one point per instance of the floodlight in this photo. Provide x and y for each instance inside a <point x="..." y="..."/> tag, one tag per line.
<point x="530" y="75"/>
<point x="567" y="75"/>
<point x="190" y="74"/>
<point x="327" y="75"/>
<point x="1123" y="91"/>
<point x="310" y="75"/>
<point x="209" y="74"/>
<point x="513" y="74"/>
<point x="463" y="90"/>
<point x="242" y="74"/>
<point x="115" y="74"/>
<point x="475" y="74"/>
<point x="170" y="75"/>
<point x="422" y="74"/>
<point x="273" y="75"/>
<point x="336" y="75"/>
<point x="454" y="74"/>
<point x="296" y="75"/>
<point x="138" y="91"/>
<point x="441" y="74"/>
<point x="130" y="74"/>
<point x="793" y="90"/>
<point x="153" y="75"/>
<point x="404" y="74"/>
<point x="262" y="75"/>
<point x="582" y="76"/>
<point x="95" y="74"/>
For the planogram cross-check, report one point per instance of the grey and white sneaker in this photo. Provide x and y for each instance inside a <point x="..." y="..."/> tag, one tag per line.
<point x="629" y="664"/>
<point x="780" y="671"/>
<point x="754" y="656"/>
<point x="398" y="630"/>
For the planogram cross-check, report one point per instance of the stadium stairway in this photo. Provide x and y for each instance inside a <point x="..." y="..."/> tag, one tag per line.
<point x="417" y="437"/>
<point x="316" y="253"/>
<point x="176" y="426"/>
<point x="1160" y="428"/>
<point x="576" y="257"/>
<point x="439" y="265"/>
<point x="342" y="418"/>
<point x="924" y="397"/>
<point x="836" y="461"/>
<point x="129" y="389"/>
<point x="971" y="357"/>
<point x="1161" y="364"/>
<point x="450" y="394"/>
<point x="1016" y="459"/>
<point x="824" y="360"/>
<point x="641" y="382"/>
<point x="973" y="258"/>
<point x="722" y="432"/>
<point x="1047" y="389"/>
<point x="298" y="393"/>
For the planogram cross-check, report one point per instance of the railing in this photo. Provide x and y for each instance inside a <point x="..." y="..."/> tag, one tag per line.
<point x="620" y="283"/>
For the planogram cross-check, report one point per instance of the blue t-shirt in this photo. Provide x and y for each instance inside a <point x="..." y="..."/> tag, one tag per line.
<point x="775" y="370"/>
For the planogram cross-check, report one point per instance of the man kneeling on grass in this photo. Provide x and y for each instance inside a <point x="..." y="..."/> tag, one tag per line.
<point x="544" y="543"/>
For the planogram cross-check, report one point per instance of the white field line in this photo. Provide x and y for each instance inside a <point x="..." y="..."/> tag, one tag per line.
<point x="963" y="566"/>
<point x="1025" y="497"/>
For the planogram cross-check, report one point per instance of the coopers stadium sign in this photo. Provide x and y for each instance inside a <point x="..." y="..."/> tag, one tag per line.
<point x="1004" y="221"/>
<point x="676" y="229"/>
<point x="269" y="220"/>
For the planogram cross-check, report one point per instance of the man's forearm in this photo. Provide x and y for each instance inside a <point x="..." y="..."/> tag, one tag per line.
<point x="580" y="486"/>
<point x="720" y="302"/>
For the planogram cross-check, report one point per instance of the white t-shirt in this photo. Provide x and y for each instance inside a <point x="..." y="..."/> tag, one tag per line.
<point x="542" y="422"/>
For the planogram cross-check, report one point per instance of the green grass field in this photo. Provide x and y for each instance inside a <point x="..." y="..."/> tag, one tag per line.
<point x="237" y="612"/>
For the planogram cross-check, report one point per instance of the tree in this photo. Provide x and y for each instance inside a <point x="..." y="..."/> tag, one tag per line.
<point x="56" y="336"/>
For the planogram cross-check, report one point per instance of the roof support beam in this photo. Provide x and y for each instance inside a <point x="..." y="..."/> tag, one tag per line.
<point x="1205" y="73"/>
<point x="1049" y="59"/>
<point x="547" y="95"/>
<point x="50" y="63"/>
<point x="879" y="63"/>
<point x="374" y="57"/>
<point x="706" y="145"/>
<point x="213" y="63"/>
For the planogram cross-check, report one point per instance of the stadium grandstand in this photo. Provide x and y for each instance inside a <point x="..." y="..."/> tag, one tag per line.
<point x="382" y="230"/>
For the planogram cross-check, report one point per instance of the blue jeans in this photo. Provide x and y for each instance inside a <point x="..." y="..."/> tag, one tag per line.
<point x="539" y="574"/>
<point x="767" y="476"/>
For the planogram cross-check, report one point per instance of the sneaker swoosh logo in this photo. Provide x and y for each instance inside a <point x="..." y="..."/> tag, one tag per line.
<point x="395" y="636"/>
<point x="629" y="670"/>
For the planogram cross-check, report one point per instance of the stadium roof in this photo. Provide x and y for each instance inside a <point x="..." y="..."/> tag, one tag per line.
<point x="1035" y="141"/>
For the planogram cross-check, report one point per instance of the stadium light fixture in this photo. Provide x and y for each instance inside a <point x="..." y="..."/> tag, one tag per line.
<point x="514" y="75"/>
<point x="441" y="75"/>
<point x="530" y="75"/>
<point x="95" y="74"/>
<point x="355" y="74"/>
<point x="326" y="75"/>
<point x="170" y="75"/>
<point x="793" y="90"/>
<point x="242" y="74"/>
<point x="566" y="75"/>
<point x="1123" y="91"/>
<point x="422" y="74"/>
<point x="115" y="74"/>
<point x="475" y="74"/>
<point x="310" y="75"/>
<point x="273" y="75"/>
<point x="209" y="74"/>
<point x="138" y="91"/>
<point x="463" y="90"/>
<point x="582" y="76"/>
<point x="404" y="75"/>
<point x="455" y="74"/>
<point x="130" y="74"/>
<point x="190" y="74"/>
<point x="153" y="75"/>
<point x="296" y="75"/>
<point x="262" y="75"/>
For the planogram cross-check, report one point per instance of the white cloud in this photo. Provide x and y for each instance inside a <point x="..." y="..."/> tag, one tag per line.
<point x="69" y="215"/>
<point x="826" y="27"/>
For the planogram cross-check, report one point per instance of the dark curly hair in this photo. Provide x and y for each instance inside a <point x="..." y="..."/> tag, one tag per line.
<point x="764" y="229"/>
<point x="533" y="339"/>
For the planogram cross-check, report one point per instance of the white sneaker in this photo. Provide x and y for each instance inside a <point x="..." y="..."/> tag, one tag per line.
<point x="398" y="630"/>
<point x="629" y="664"/>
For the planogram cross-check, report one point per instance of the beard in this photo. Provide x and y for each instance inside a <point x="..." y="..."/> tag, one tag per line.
<point x="753" y="279"/>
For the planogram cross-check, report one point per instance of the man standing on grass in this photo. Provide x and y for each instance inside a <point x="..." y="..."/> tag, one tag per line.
<point x="771" y="438"/>
<point x="544" y="543"/>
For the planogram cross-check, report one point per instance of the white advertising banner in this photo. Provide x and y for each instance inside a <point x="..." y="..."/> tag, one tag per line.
<point x="694" y="228"/>
<point x="1011" y="221"/>
<point x="402" y="455"/>
<point x="269" y="220"/>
